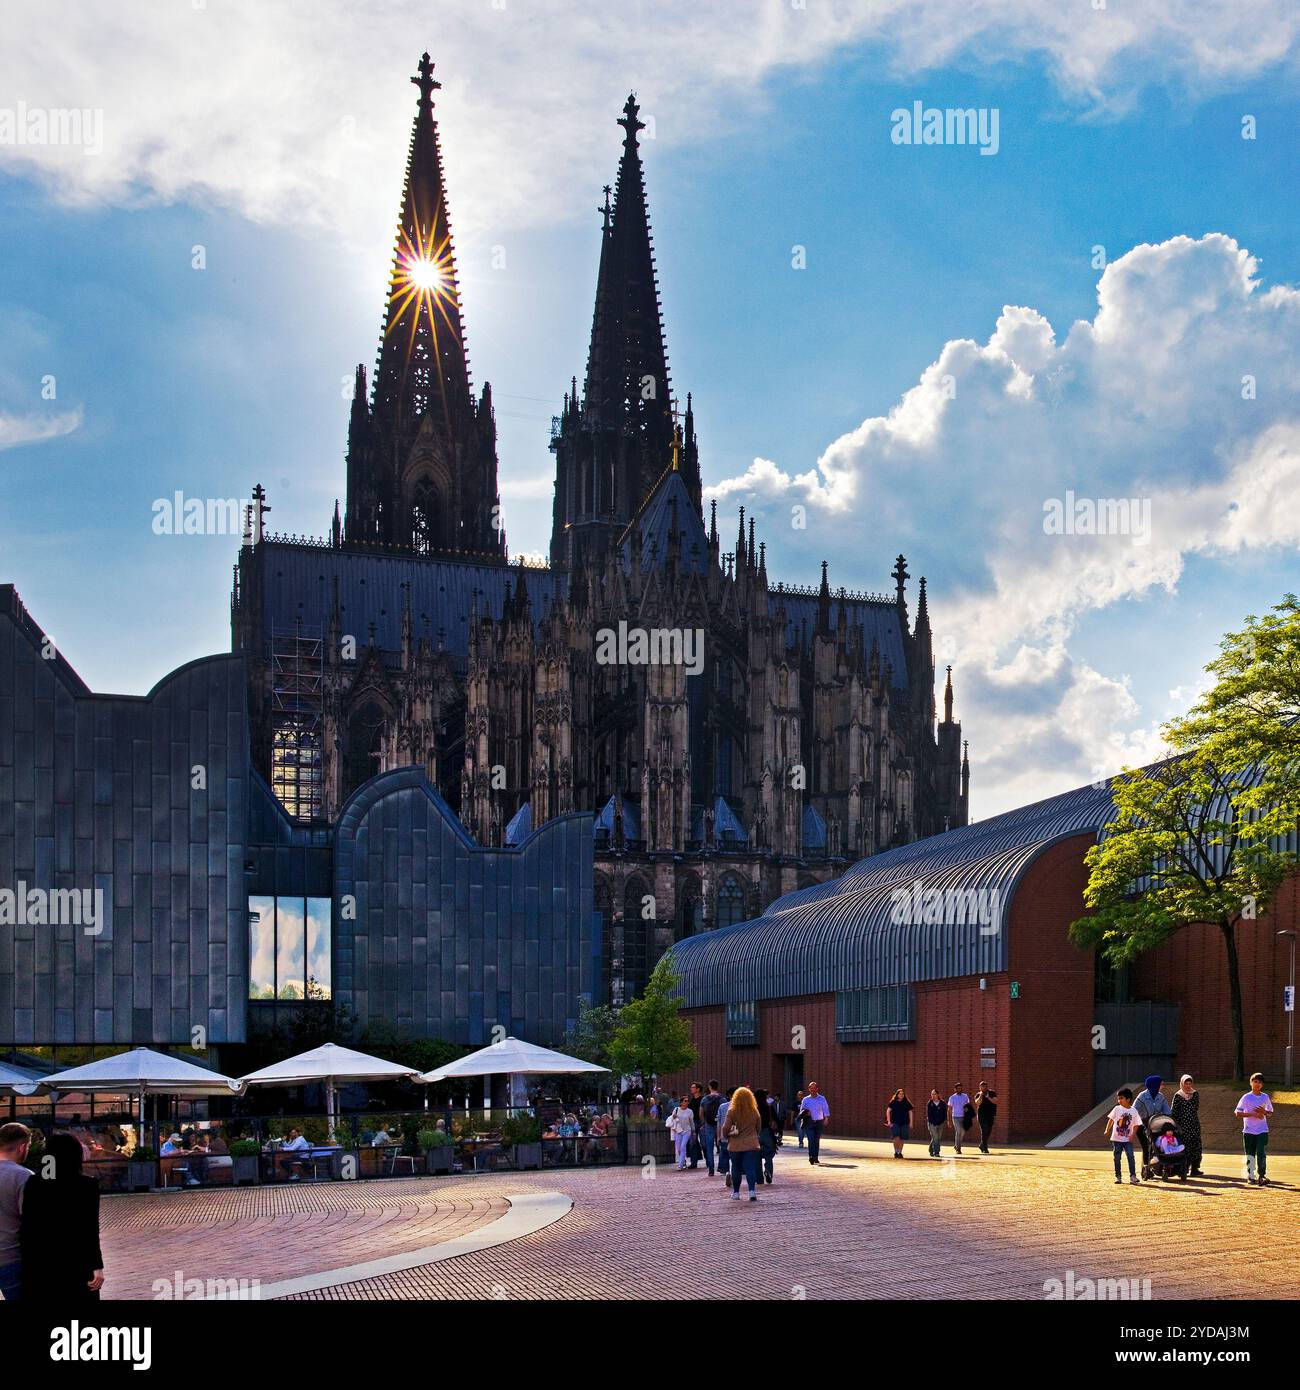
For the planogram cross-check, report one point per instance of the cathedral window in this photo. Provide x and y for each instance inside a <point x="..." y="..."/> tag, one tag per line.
<point x="636" y="940"/>
<point x="423" y="501"/>
<point x="731" y="901"/>
<point x="365" y="746"/>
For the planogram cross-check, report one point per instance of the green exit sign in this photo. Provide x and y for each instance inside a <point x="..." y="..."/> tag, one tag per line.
<point x="1015" y="989"/>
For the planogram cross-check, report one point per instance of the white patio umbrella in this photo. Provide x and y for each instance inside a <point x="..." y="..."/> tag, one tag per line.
<point x="19" y="1080"/>
<point x="143" y="1072"/>
<point x="511" y="1057"/>
<point x="330" y="1064"/>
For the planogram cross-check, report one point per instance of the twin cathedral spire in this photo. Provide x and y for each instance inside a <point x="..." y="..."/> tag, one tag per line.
<point x="421" y="458"/>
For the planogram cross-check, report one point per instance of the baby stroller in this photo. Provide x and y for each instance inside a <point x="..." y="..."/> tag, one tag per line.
<point x="1163" y="1165"/>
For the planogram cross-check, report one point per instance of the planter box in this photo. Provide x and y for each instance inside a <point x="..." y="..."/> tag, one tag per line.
<point x="438" y="1160"/>
<point x="248" y="1169"/>
<point x="140" y="1177"/>
<point x="526" y="1156"/>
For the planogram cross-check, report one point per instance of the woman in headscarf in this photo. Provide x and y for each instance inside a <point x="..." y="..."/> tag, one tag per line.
<point x="1150" y="1103"/>
<point x="1186" y="1110"/>
<point x="59" y="1234"/>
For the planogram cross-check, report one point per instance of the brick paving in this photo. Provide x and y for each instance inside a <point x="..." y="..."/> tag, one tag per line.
<point x="861" y="1226"/>
<point x="280" y="1232"/>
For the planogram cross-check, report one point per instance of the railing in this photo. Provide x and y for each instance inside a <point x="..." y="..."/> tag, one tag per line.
<point x="255" y="1151"/>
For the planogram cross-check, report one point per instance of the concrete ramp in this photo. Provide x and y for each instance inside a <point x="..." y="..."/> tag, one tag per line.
<point x="1094" y="1117"/>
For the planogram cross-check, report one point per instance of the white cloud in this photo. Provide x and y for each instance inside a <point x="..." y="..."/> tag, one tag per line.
<point x="16" y="430"/>
<point x="299" y="114"/>
<point x="1144" y="402"/>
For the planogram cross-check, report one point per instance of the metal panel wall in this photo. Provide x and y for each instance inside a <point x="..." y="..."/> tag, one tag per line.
<point x="97" y="792"/>
<point x="449" y="939"/>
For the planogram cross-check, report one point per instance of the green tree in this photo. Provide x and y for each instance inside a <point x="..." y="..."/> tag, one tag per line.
<point x="1186" y="844"/>
<point x="591" y="1033"/>
<point x="1248" y="721"/>
<point x="652" y="1039"/>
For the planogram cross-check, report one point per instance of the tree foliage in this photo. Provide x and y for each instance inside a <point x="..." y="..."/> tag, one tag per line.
<point x="1201" y="837"/>
<point x="652" y="1039"/>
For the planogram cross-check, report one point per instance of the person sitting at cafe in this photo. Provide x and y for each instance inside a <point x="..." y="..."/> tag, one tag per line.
<point x="382" y="1138"/>
<point x="196" y="1151"/>
<point x="173" y="1144"/>
<point x="294" y="1146"/>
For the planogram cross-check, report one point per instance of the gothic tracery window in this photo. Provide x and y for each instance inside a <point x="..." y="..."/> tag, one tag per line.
<point x="423" y="501"/>
<point x="731" y="901"/>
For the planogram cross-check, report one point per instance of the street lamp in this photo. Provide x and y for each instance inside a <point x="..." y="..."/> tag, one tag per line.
<point x="1290" y="1017"/>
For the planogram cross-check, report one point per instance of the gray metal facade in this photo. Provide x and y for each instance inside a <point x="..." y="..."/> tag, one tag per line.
<point x="97" y="792"/>
<point x="449" y="938"/>
<point x="849" y="934"/>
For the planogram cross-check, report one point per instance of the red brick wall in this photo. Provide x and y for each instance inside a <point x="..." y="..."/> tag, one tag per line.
<point x="1043" y="1038"/>
<point x="1051" y="1021"/>
<point x="955" y="1018"/>
<point x="1191" y="969"/>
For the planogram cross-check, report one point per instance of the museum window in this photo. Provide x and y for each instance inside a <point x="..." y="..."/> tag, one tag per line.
<point x="289" y="941"/>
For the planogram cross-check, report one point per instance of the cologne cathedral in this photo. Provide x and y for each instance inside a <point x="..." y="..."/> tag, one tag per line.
<point x="759" y="738"/>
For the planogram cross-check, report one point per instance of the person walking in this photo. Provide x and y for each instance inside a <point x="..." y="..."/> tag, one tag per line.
<point x="1186" y="1110"/>
<point x="986" y="1111"/>
<point x="1254" y="1108"/>
<point x="681" y="1125"/>
<point x="815" y="1112"/>
<point x="1120" y="1124"/>
<point x="709" y="1107"/>
<point x="958" y="1105"/>
<point x="695" y="1149"/>
<point x="1151" y="1101"/>
<point x="15" y="1139"/>
<point x="742" y="1131"/>
<point x="62" y="1262"/>
<point x="936" y="1113"/>
<point x="798" y="1117"/>
<point x="767" y="1133"/>
<point x="898" y="1116"/>
<point x="724" y="1157"/>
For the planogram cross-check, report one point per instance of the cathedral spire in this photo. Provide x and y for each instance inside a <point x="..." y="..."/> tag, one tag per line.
<point x="422" y="367"/>
<point x="947" y="699"/>
<point x="627" y="367"/>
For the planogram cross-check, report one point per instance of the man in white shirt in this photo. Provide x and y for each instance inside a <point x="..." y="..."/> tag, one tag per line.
<point x="957" y="1103"/>
<point x="815" y="1114"/>
<point x="294" y="1145"/>
<point x="1254" y="1108"/>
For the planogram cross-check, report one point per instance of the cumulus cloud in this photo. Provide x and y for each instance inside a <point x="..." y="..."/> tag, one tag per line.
<point x="1170" y="420"/>
<point x="16" y="430"/>
<point x="297" y="114"/>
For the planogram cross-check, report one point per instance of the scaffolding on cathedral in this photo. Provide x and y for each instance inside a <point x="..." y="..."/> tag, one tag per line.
<point x="297" y="770"/>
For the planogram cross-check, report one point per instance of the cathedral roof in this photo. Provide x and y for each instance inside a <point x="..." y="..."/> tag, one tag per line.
<point x="631" y="819"/>
<point x="725" y="822"/>
<point x="814" y="829"/>
<point x="849" y="934"/>
<point x="668" y="510"/>
<point x="880" y="619"/>
<point x="299" y="583"/>
<point x="521" y="825"/>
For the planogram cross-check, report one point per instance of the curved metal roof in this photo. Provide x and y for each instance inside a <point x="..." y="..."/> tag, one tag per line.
<point x="864" y="929"/>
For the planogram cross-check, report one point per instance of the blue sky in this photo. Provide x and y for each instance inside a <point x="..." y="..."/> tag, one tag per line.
<point x="279" y="150"/>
